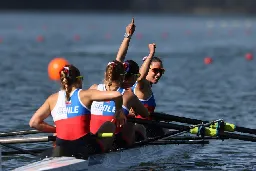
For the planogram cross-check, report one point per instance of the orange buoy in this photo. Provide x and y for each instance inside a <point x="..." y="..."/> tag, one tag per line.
<point x="55" y="66"/>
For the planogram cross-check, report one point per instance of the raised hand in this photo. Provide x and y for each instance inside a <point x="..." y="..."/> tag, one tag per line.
<point x="130" y="28"/>
<point x="152" y="48"/>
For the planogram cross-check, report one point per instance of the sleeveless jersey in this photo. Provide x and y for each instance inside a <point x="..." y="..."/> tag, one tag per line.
<point x="102" y="111"/>
<point x="149" y="103"/>
<point x="72" y="118"/>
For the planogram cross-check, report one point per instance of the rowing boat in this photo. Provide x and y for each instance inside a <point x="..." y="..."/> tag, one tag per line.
<point x="142" y="151"/>
<point x="121" y="158"/>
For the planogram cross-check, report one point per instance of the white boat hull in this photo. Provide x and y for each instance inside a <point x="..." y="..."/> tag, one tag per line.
<point x="57" y="164"/>
<point x="111" y="161"/>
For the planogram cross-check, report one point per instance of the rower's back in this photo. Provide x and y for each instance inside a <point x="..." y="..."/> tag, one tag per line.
<point x="103" y="111"/>
<point x="72" y="117"/>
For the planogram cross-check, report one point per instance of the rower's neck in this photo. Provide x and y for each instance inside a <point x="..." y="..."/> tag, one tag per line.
<point x="113" y="87"/>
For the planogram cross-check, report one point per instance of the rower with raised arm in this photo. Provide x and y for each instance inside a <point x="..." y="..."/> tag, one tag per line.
<point x="119" y="76"/>
<point x="70" y="110"/>
<point x="150" y="73"/>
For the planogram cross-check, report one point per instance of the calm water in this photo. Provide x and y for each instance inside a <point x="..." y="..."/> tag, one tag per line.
<point x="226" y="89"/>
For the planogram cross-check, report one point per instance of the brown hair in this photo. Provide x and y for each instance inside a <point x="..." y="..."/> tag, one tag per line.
<point x="156" y="59"/>
<point x="114" y="72"/>
<point x="68" y="78"/>
<point x="131" y="67"/>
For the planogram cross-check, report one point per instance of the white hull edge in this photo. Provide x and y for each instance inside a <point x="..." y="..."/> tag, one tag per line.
<point x="57" y="164"/>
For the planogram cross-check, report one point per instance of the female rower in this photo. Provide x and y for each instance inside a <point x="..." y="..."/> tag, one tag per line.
<point x="150" y="73"/>
<point x="70" y="109"/>
<point x="104" y="111"/>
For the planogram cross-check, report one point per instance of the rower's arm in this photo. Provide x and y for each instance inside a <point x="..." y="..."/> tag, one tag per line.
<point x="145" y="66"/>
<point x="37" y="120"/>
<point x="90" y="95"/>
<point x="132" y="101"/>
<point x="125" y="44"/>
<point x="123" y="49"/>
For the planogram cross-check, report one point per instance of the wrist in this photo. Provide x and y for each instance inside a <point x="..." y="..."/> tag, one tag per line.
<point x="127" y="35"/>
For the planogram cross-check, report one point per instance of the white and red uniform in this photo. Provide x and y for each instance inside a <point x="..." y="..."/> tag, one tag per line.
<point x="102" y="111"/>
<point x="72" y="118"/>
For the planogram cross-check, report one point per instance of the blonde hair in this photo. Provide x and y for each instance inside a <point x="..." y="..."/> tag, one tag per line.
<point x="114" y="72"/>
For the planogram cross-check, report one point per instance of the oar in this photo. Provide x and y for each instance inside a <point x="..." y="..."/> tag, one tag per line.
<point x="228" y="126"/>
<point x="178" y="142"/>
<point x="200" y="129"/>
<point x="35" y="151"/>
<point x="21" y="132"/>
<point x="192" y="138"/>
<point x="27" y="140"/>
<point x="18" y="149"/>
<point x="41" y="139"/>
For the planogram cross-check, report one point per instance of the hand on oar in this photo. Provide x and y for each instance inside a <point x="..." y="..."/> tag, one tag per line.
<point x="119" y="118"/>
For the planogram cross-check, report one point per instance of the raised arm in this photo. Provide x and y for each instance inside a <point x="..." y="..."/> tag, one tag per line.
<point x="146" y="64"/>
<point x="125" y="44"/>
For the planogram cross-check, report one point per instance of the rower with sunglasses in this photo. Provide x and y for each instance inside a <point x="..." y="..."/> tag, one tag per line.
<point x="149" y="74"/>
<point x="151" y="71"/>
<point x="120" y="77"/>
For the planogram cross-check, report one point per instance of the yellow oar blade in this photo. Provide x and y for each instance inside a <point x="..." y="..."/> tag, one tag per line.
<point x="208" y="131"/>
<point x="227" y="127"/>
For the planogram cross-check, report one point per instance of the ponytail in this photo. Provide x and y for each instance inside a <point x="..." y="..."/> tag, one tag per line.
<point x="68" y="77"/>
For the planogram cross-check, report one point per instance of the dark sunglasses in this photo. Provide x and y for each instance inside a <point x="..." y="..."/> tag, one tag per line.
<point x="158" y="70"/>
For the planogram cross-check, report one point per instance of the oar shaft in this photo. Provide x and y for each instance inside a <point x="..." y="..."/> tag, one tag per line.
<point x="167" y="117"/>
<point x="165" y="142"/>
<point x="245" y="130"/>
<point x="34" y="151"/>
<point x="22" y="132"/>
<point x="27" y="140"/>
<point x="238" y="136"/>
<point x="161" y="124"/>
<point x="18" y="149"/>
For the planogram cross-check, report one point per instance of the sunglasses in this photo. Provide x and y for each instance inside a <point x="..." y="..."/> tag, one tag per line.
<point x="158" y="70"/>
<point x="137" y="75"/>
<point x="80" y="77"/>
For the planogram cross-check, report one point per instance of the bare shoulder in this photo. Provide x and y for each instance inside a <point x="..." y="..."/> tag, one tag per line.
<point x="53" y="97"/>
<point x="142" y="84"/>
<point x="94" y="86"/>
<point x="129" y="94"/>
<point x="52" y="100"/>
